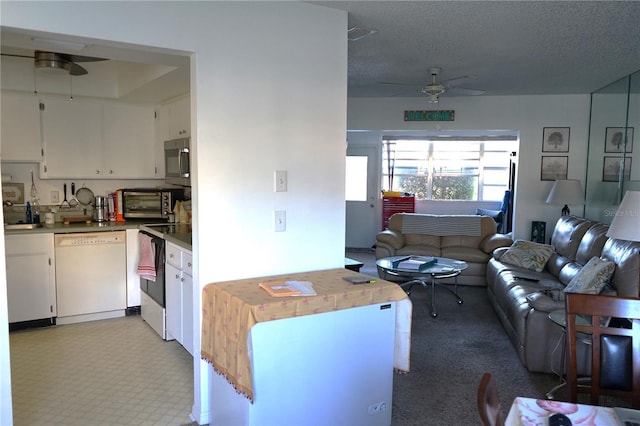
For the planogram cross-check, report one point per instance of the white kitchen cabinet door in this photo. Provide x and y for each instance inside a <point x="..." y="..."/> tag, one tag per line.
<point x="173" y="254"/>
<point x="128" y="142"/>
<point x="180" y="118"/>
<point x="173" y="302"/>
<point x="72" y="139"/>
<point x="179" y="292"/>
<point x="31" y="288"/>
<point x="21" y="139"/>
<point x="187" y="303"/>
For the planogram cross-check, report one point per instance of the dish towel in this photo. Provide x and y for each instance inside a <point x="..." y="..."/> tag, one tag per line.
<point x="146" y="258"/>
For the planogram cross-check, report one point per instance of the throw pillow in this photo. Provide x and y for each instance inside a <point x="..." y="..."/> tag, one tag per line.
<point x="592" y="278"/>
<point x="528" y="254"/>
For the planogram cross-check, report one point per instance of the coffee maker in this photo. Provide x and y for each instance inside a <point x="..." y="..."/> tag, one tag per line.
<point x="101" y="209"/>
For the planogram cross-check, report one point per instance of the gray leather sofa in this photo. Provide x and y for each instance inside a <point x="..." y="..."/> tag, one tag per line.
<point x="469" y="238"/>
<point x="524" y="306"/>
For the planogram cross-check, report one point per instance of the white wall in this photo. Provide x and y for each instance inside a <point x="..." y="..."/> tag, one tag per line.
<point x="526" y="114"/>
<point x="6" y="413"/>
<point x="268" y="93"/>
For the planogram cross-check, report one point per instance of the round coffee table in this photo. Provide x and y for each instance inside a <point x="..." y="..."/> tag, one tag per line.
<point x="442" y="268"/>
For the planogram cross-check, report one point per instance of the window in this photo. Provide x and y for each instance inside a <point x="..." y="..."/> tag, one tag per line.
<point x="448" y="168"/>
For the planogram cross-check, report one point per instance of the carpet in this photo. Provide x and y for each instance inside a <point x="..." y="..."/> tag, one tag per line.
<point x="450" y="353"/>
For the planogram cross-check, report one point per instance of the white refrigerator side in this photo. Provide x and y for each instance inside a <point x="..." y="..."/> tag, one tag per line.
<point x="331" y="368"/>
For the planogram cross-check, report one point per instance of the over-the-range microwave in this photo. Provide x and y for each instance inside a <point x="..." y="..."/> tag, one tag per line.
<point x="177" y="161"/>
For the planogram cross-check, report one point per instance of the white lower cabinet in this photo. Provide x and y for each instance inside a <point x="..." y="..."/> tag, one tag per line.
<point x="173" y="301"/>
<point x="31" y="278"/>
<point x="179" y="295"/>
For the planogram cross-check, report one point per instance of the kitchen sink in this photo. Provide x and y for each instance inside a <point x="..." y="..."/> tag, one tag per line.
<point x="18" y="226"/>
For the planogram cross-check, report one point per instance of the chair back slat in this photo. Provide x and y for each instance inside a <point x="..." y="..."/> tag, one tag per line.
<point x="613" y="359"/>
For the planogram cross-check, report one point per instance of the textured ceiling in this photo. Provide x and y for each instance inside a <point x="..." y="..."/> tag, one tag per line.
<point x="504" y="47"/>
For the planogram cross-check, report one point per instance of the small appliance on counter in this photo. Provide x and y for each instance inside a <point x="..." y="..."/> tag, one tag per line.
<point x="150" y="203"/>
<point x="101" y="209"/>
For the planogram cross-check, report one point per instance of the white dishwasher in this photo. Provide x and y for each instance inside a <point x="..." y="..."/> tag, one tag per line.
<point x="91" y="276"/>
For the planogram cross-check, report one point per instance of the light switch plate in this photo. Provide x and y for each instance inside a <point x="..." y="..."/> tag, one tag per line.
<point x="280" y="220"/>
<point x="280" y="181"/>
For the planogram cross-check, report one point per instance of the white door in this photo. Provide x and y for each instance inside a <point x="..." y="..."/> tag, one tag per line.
<point x="362" y="198"/>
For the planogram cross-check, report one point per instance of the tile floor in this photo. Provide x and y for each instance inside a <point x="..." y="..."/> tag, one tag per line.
<point x="110" y="372"/>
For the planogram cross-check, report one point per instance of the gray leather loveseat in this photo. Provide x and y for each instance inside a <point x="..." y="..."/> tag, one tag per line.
<point x="523" y="306"/>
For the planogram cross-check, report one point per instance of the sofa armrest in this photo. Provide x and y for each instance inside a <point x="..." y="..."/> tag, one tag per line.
<point x="494" y="241"/>
<point x="546" y="300"/>
<point x="391" y="238"/>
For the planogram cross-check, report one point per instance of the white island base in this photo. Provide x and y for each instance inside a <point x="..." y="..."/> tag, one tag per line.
<point x="333" y="368"/>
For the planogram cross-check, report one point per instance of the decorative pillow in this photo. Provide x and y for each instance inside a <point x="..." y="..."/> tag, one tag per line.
<point x="528" y="254"/>
<point x="592" y="278"/>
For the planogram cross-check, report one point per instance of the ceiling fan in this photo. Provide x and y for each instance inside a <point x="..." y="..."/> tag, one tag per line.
<point x="434" y="89"/>
<point x="62" y="61"/>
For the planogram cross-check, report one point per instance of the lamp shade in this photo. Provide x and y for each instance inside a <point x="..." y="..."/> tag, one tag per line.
<point x="626" y="222"/>
<point x="566" y="191"/>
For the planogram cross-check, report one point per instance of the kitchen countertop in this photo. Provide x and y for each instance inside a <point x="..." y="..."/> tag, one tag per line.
<point x="178" y="233"/>
<point x="181" y="235"/>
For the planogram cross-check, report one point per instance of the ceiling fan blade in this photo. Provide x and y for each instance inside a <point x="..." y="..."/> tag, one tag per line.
<point x="463" y="91"/>
<point x="79" y="58"/>
<point x="400" y="84"/>
<point x="77" y="69"/>
<point x="16" y="56"/>
<point x="452" y="82"/>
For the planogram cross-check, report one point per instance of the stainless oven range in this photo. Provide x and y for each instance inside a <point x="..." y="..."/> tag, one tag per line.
<point x="153" y="294"/>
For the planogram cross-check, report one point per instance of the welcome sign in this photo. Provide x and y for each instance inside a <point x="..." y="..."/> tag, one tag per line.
<point x="429" y="115"/>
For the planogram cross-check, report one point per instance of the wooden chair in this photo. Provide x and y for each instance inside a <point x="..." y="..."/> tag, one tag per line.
<point x="615" y="350"/>
<point x="489" y="406"/>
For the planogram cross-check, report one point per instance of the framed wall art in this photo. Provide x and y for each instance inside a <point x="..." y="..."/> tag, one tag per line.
<point x="555" y="139"/>
<point x="554" y="168"/>
<point x="611" y="169"/>
<point x="614" y="139"/>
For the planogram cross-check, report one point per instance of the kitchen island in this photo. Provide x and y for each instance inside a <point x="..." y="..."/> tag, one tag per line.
<point x="323" y="359"/>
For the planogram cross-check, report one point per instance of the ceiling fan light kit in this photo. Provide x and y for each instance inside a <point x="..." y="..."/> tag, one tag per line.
<point x="51" y="60"/>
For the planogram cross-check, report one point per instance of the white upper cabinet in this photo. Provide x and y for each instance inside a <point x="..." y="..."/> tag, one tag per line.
<point x="128" y="144"/>
<point x="174" y="122"/>
<point x="98" y="140"/>
<point x="176" y="119"/>
<point x="21" y="139"/>
<point x="72" y="132"/>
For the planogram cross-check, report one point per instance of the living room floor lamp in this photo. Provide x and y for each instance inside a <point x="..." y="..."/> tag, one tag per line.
<point x="566" y="191"/>
<point x="626" y="222"/>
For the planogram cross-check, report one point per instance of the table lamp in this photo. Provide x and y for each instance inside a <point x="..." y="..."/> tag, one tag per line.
<point x="566" y="191"/>
<point x="626" y="222"/>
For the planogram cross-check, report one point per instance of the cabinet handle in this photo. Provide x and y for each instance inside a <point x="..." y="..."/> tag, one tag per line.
<point x="97" y="172"/>
<point x="171" y="255"/>
<point x="110" y="172"/>
<point x="177" y="276"/>
<point x="189" y="264"/>
<point x="181" y="279"/>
